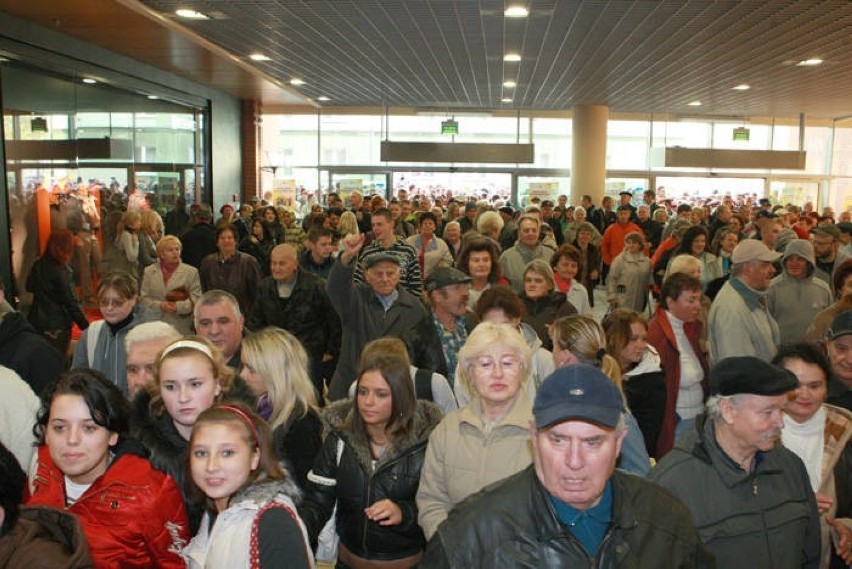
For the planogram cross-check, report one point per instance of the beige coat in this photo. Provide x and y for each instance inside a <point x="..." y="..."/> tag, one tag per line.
<point x="462" y="458"/>
<point x="154" y="292"/>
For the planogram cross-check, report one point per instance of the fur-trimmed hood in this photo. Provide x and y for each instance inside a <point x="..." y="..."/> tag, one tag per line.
<point x="335" y="419"/>
<point x="265" y="491"/>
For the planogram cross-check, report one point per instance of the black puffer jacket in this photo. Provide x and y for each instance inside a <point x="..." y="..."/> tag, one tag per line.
<point x="513" y="524"/>
<point x="167" y="449"/>
<point x="355" y="484"/>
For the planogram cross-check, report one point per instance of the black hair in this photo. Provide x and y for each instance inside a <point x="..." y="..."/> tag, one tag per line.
<point x="105" y="401"/>
<point x="808" y="353"/>
<point x="12" y="483"/>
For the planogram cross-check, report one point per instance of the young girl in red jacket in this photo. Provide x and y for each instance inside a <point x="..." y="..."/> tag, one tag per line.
<point x="131" y="514"/>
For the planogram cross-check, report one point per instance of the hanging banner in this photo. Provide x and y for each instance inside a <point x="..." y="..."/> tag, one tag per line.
<point x="284" y="192"/>
<point x="543" y="190"/>
<point x="346" y="186"/>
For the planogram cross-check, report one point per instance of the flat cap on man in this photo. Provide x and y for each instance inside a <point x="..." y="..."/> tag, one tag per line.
<point x="750" y="375"/>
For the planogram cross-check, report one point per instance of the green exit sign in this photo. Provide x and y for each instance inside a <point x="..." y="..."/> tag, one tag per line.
<point x="741" y="134"/>
<point x="450" y="127"/>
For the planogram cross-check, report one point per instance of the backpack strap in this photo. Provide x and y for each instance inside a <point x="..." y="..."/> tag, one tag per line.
<point x="423" y="384"/>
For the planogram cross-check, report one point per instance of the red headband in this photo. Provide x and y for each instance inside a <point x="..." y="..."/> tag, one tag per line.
<point x="245" y="418"/>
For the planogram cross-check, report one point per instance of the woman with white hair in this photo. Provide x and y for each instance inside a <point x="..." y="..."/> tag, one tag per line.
<point x="488" y="439"/>
<point x="630" y="275"/>
<point x="170" y="287"/>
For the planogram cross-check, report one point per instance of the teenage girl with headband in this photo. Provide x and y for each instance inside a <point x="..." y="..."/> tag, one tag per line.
<point x="250" y="518"/>
<point x="190" y="375"/>
<point x="580" y="340"/>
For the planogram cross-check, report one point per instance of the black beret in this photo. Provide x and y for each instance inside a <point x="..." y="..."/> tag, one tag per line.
<point x="751" y="375"/>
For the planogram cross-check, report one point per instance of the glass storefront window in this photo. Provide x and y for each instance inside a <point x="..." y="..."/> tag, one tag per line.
<point x="78" y="156"/>
<point x="546" y="188"/>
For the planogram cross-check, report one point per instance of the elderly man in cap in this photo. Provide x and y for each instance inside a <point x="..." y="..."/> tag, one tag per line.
<point x="434" y="342"/>
<point x="367" y="310"/>
<point x="571" y="508"/>
<point x="750" y="498"/>
<point x="740" y="323"/>
<point x="838" y="343"/>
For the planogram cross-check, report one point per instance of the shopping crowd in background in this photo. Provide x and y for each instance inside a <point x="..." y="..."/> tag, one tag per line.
<point x="431" y="380"/>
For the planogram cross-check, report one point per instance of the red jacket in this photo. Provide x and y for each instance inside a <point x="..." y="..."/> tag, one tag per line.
<point x="133" y="515"/>
<point x="613" y="239"/>
<point x="661" y="336"/>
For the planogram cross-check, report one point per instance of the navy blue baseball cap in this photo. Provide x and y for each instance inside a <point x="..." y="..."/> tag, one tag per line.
<point x="578" y="392"/>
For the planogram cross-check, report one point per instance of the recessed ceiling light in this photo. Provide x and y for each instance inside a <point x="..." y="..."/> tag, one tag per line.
<point x="694" y="104"/>
<point x="809" y="62"/>
<point x="512" y="57"/>
<point x="153" y="97"/>
<point x="190" y="14"/>
<point x="258" y="57"/>
<point x="516" y="11"/>
<point x="89" y="81"/>
<point x="323" y="98"/>
<point x="741" y="87"/>
<point x="296" y="81"/>
<point x="509" y="84"/>
<point x="506" y="100"/>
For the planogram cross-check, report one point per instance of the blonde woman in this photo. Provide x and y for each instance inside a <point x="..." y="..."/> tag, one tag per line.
<point x="190" y="376"/>
<point x="488" y="439"/>
<point x="348" y="226"/>
<point x="123" y="253"/>
<point x="150" y="232"/>
<point x="275" y="367"/>
<point x="171" y="288"/>
<point x="580" y="340"/>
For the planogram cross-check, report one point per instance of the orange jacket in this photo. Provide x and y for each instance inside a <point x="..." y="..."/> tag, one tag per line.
<point x="613" y="239"/>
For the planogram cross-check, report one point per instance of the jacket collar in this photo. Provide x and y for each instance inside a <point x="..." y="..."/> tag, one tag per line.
<point x="518" y="416"/>
<point x="750" y="296"/>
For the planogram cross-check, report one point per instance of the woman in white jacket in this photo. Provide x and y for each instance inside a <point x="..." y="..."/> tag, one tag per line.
<point x="251" y="519"/>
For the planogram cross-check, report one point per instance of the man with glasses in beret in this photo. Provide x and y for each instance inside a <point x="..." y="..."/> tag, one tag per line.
<point x="571" y="508"/>
<point x="750" y="497"/>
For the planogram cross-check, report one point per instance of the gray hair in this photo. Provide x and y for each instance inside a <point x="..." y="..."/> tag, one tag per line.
<point x="151" y="331"/>
<point x="215" y="296"/>
<point x="714" y="405"/>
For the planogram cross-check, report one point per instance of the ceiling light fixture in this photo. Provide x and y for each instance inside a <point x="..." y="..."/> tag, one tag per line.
<point x="296" y="81"/>
<point x="509" y="84"/>
<point x="741" y="87"/>
<point x="516" y="11"/>
<point x="89" y="81"/>
<point x="323" y="98"/>
<point x="190" y="14"/>
<point x="694" y="104"/>
<point x="506" y="100"/>
<point x="809" y="62"/>
<point x="153" y="97"/>
<point x="258" y="57"/>
<point x="512" y="57"/>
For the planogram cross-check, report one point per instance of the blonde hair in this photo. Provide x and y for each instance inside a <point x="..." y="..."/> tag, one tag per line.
<point x="488" y="336"/>
<point x="127" y="218"/>
<point x="683" y="263"/>
<point x="489" y="222"/>
<point x="223" y="375"/>
<point x="151" y="220"/>
<point x="282" y="362"/>
<point x="585" y="339"/>
<point x="166" y="241"/>
<point x="348" y="224"/>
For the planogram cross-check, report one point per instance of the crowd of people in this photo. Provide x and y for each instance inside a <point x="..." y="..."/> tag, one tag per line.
<point x="429" y="381"/>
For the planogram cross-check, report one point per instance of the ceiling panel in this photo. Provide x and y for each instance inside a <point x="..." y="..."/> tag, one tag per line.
<point x="632" y="55"/>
